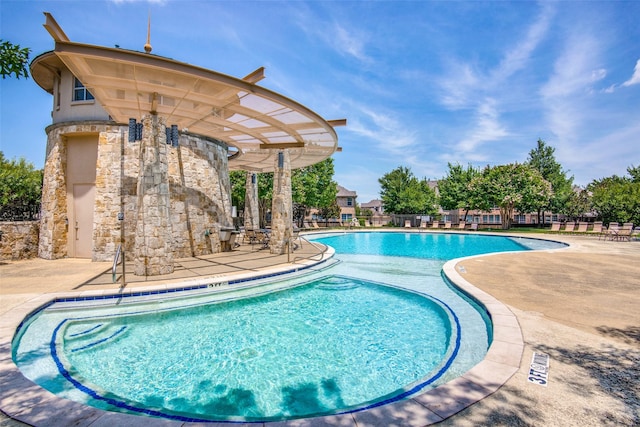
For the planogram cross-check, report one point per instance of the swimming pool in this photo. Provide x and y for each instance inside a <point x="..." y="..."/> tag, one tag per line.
<point x="75" y="339"/>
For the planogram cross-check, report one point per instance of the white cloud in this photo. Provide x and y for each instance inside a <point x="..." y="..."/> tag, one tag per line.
<point x="567" y="96"/>
<point x="518" y="57"/>
<point x="348" y="43"/>
<point x="487" y="128"/>
<point x="458" y="87"/>
<point x="597" y="75"/>
<point x="635" y="79"/>
<point x="343" y="38"/>
<point x="389" y="134"/>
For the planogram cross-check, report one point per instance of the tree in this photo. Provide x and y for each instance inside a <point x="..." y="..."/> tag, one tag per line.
<point x="634" y="171"/>
<point x="402" y="193"/>
<point x="330" y="211"/>
<point x="20" y="182"/>
<point x="617" y="199"/>
<point x="578" y="204"/>
<point x="313" y="187"/>
<point x="454" y="188"/>
<point x="238" y="188"/>
<point x="13" y="60"/>
<point x="510" y="187"/>
<point x="542" y="159"/>
<point x="265" y="196"/>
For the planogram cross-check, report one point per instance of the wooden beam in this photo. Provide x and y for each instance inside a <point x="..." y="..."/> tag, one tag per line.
<point x="154" y="103"/>
<point x="54" y="29"/>
<point x="255" y="76"/>
<point x="282" y="145"/>
<point x="338" y="122"/>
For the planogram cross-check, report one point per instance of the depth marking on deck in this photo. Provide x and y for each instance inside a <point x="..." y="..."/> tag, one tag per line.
<point x="539" y="369"/>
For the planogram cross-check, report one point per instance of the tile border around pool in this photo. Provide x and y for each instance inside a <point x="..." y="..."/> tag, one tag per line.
<point x="25" y="401"/>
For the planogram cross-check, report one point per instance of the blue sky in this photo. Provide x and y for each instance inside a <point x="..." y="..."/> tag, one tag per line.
<point x="421" y="83"/>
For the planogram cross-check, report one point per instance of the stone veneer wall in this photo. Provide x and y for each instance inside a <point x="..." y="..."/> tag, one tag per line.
<point x="19" y="239"/>
<point x="199" y="191"/>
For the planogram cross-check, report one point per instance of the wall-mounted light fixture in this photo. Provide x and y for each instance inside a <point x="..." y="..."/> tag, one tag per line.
<point x="253" y="178"/>
<point x="139" y="128"/>
<point x="173" y="137"/>
<point x="280" y="159"/>
<point x="135" y="130"/>
<point x="132" y="130"/>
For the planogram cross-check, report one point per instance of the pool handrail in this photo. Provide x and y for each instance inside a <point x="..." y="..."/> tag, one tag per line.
<point x="119" y="254"/>
<point x="322" y="248"/>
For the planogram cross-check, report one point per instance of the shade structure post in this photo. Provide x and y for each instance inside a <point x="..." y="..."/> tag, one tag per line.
<point x="251" y="206"/>
<point x="153" y="253"/>
<point x="282" y="205"/>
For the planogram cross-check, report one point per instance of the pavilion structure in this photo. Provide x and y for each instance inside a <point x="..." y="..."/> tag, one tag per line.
<point x="140" y="148"/>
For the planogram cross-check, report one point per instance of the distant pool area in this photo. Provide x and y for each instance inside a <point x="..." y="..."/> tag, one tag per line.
<point x="417" y="271"/>
<point x="435" y="246"/>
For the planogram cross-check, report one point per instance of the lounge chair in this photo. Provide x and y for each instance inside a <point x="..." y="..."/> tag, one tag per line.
<point x="623" y="233"/>
<point x="447" y="225"/>
<point x="314" y="224"/>
<point x="555" y="226"/>
<point x="462" y="225"/>
<point x="435" y="224"/>
<point x="407" y="223"/>
<point x="597" y="228"/>
<point x="610" y="231"/>
<point x="423" y="224"/>
<point x="582" y="227"/>
<point x="569" y="227"/>
<point x="474" y="226"/>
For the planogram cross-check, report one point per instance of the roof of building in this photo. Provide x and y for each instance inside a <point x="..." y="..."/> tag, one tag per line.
<point x="343" y="192"/>
<point x="372" y="204"/>
<point x="254" y="121"/>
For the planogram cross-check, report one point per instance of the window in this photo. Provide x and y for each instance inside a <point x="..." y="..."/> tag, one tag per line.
<point x="80" y="93"/>
<point x="349" y="201"/>
<point x="346" y="217"/>
<point x="491" y="219"/>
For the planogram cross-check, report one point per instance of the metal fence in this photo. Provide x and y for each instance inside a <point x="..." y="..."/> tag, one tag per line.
<point x="20" y="212"/>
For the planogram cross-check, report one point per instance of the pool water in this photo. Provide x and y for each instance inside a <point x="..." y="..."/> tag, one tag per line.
<point x="435" y="246"/>
<point x="377" y="326"/>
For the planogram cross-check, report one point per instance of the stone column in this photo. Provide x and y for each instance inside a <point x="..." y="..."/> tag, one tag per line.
<point x="54" y="225"/>
<point x="251" y="207"/>
<point x="282" y="205"/>
<point x="153" y="251"/>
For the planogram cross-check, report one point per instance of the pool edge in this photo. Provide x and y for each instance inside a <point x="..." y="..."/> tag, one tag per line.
<point x="34" y="405"/>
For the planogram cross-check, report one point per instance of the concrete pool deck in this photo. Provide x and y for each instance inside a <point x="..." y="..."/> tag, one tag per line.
<point x="591" y="336"/>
